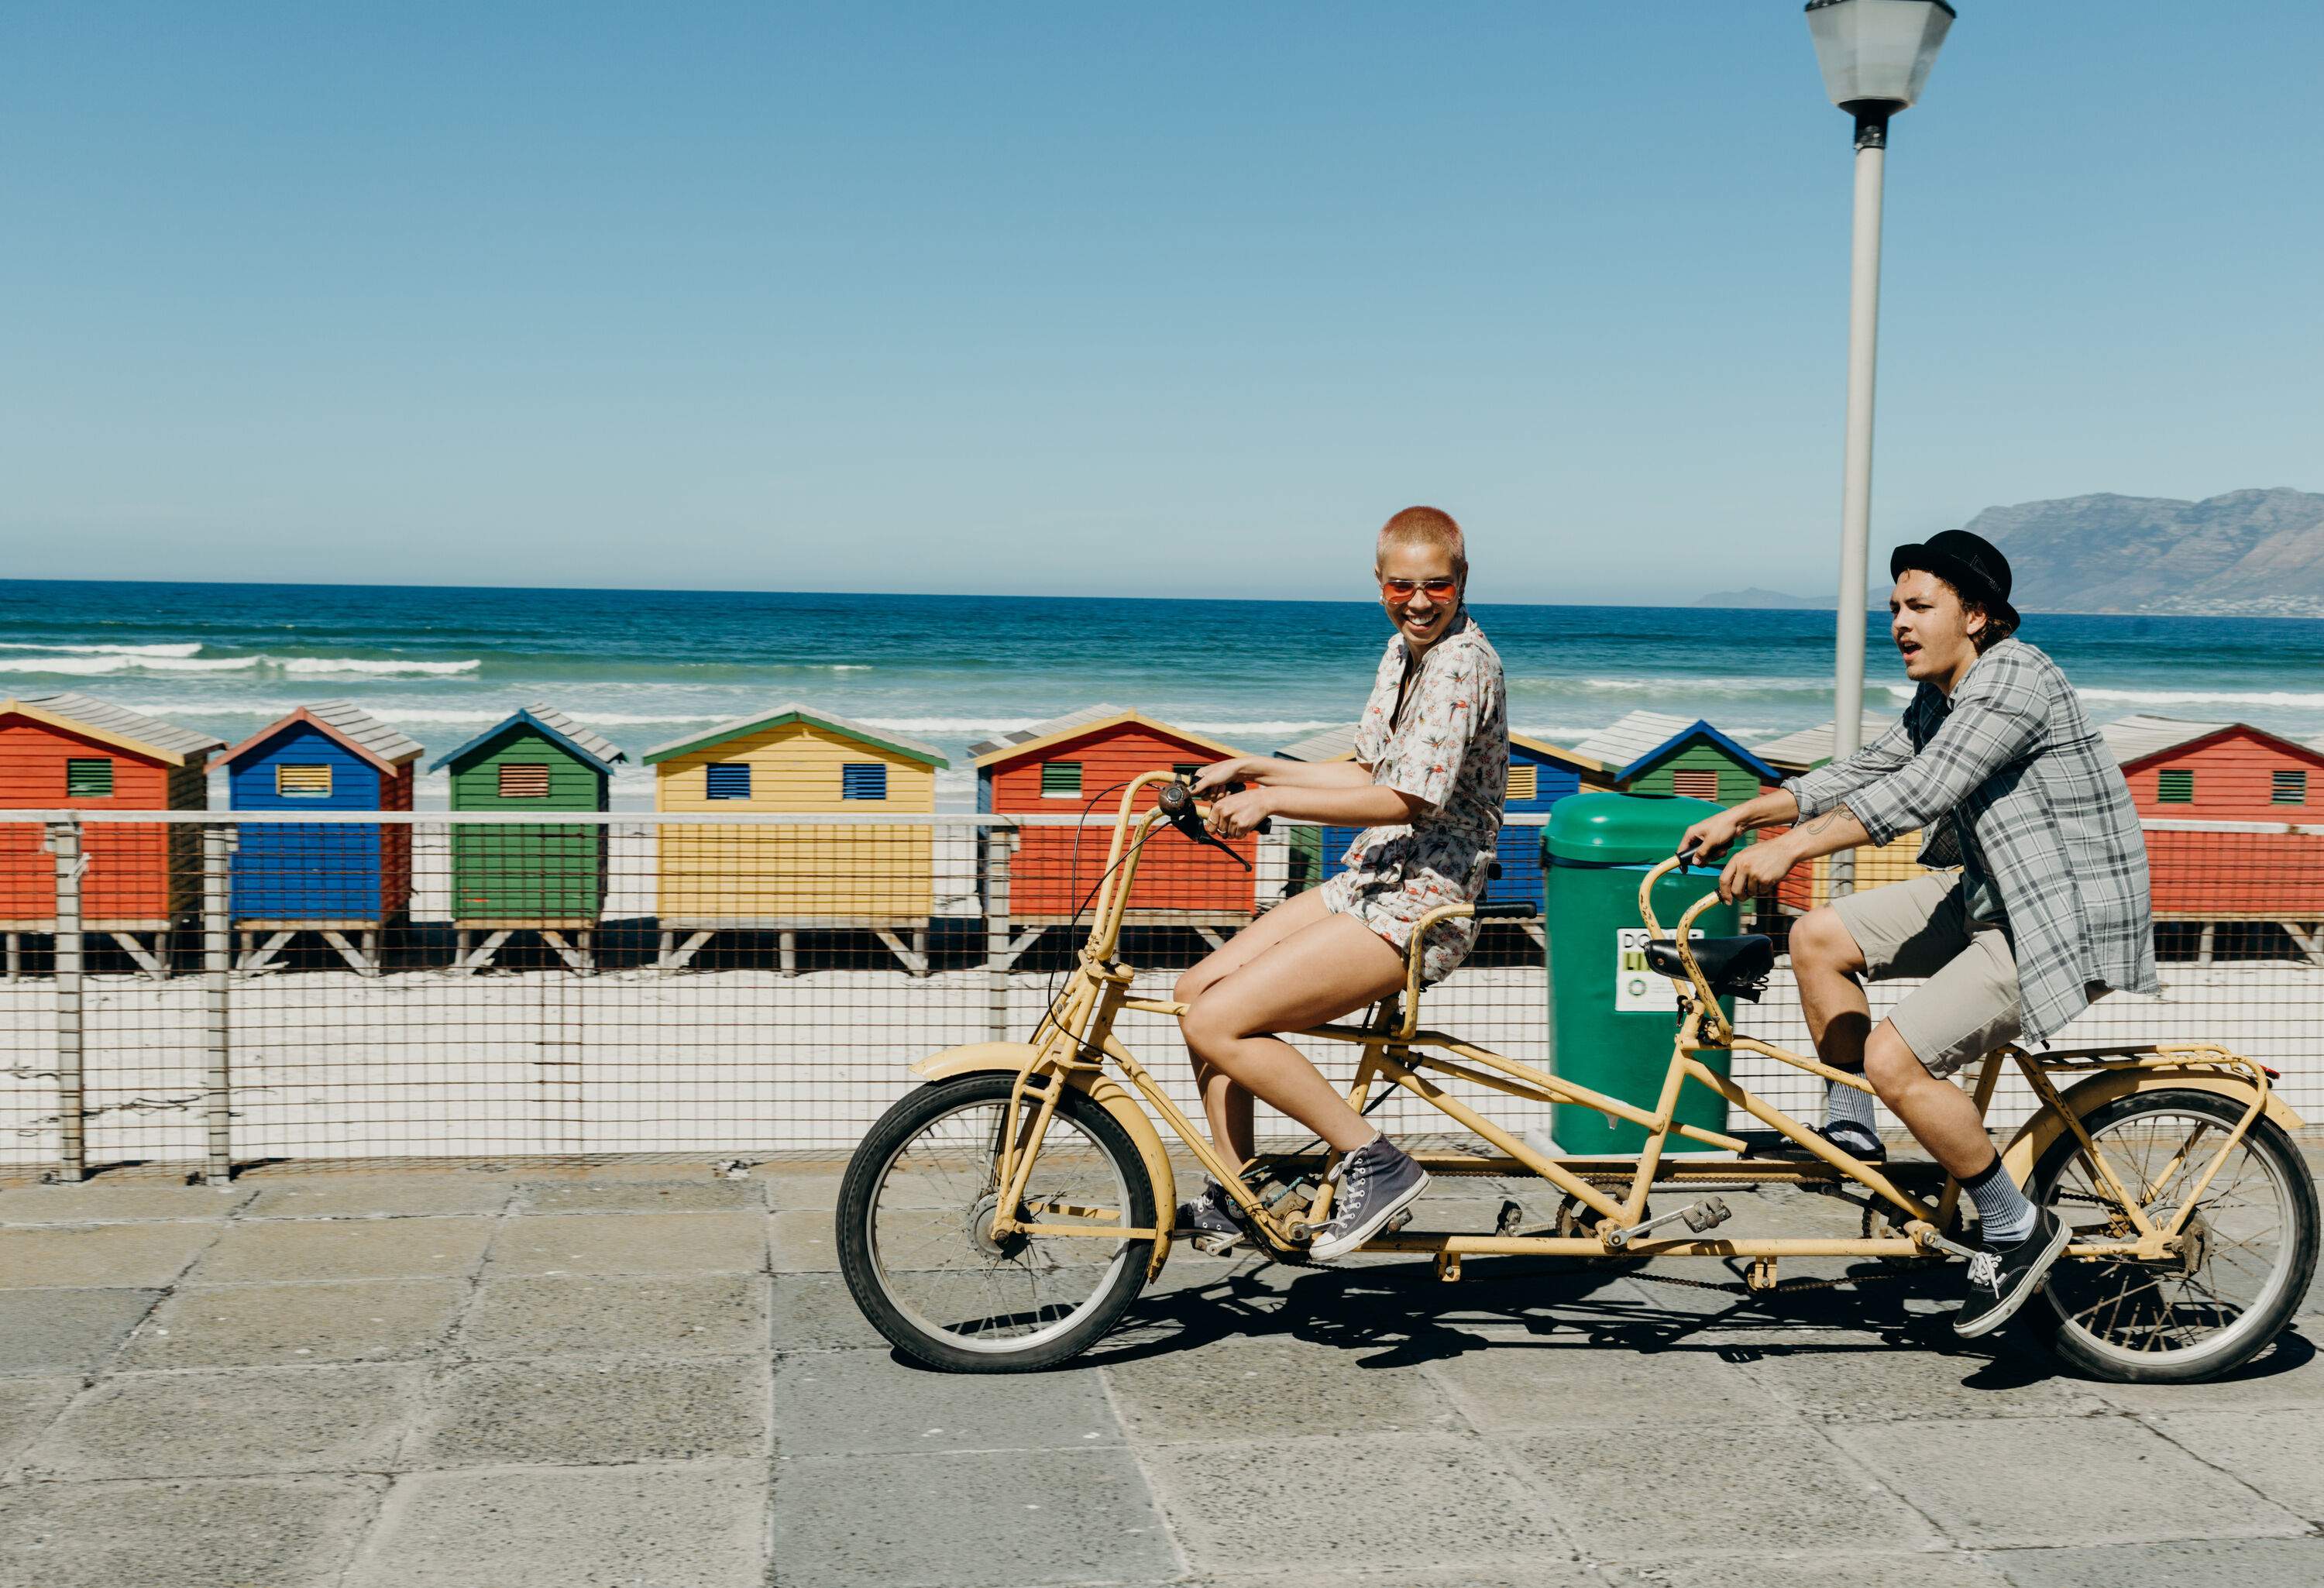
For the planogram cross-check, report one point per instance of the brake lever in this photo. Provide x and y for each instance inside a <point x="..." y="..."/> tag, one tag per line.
<point x="1177" y="803"/>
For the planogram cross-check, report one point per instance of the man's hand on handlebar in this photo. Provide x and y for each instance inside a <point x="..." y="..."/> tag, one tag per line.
<point x="1707" y="839"/>
<point x="1755" y="871"/>
<point x="1234" y="815"/>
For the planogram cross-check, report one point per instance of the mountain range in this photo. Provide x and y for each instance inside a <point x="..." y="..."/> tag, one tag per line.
<point x="2243" y="554"/>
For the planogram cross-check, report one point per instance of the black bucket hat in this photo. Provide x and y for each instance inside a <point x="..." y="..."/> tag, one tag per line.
<point x="1969" y="563"/>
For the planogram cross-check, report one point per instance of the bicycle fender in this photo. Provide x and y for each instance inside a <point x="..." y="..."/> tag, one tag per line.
<point x="2036" y="1135"/>
<point x="1101" y="1089"/>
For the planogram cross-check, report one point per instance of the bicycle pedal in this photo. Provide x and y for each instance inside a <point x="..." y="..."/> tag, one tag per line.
<point x="1215" y="1245"/>
<point x="1507" y="1221"/>
<point x="1397" y="1221"/>
<point x="1707" y="1215"/>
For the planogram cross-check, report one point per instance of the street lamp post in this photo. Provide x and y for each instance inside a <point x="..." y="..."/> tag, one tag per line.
<point x="1875" y="54"/>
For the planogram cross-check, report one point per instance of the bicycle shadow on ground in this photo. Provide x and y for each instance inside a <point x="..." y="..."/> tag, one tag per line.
<point x="1402" y="1315"/>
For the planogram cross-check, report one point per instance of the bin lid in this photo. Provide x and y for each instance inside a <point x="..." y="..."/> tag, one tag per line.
<point x="1621" y="829"/>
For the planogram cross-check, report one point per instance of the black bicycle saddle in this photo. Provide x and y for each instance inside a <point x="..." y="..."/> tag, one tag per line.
<point x="1735" y="967"/>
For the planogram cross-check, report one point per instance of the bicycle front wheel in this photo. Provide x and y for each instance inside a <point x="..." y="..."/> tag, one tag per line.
<point x="2248" y="1253"/>
<point x="915" y="1230"/>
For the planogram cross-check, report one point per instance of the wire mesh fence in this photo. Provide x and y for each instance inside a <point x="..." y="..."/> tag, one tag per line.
<point x="188" y="992"/>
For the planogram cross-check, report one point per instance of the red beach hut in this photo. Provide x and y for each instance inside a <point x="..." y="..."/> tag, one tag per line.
<point x="1057" y="768"/>
<point x="70" y="752"/>
<point x="2199" y="771"/>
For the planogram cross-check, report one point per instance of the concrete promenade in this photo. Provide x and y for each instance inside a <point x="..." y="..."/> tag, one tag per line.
<point x="647" y="1377"/>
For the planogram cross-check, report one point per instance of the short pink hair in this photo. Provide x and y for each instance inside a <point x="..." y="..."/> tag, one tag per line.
<point x="1426" y="526"/>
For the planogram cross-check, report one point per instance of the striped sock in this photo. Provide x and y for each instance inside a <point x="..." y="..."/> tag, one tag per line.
<point x="1848" y="1115"/>
<point x="2002" y="1211"/>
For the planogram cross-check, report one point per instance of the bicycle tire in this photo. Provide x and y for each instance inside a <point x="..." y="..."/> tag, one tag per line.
<point x="858" y="1261"/>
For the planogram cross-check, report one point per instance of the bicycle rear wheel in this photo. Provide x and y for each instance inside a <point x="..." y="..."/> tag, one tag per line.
<point x="915" y="1221"/>
<point x="2250" y="1249"/>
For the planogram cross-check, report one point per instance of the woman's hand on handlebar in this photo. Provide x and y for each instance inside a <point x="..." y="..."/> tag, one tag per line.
<point x="1219" y="774"/>
<point x="1234" y="815"/>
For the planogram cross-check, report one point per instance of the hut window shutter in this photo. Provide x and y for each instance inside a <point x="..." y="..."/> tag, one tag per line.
<point x="728" y="780"/>
<point x="1061" y="779"/>
<point x="89" y="779"/>
<point x="863" y="780"/>
<point x="1696" y="783"/>
<point x="1525" y="781"/>
<point x="2287" y="787"/>
<point x="303" y="782"/>
<point x="524" y="780"/>
<point x="1186" y="769"/>
<point x="2175" y="786"/>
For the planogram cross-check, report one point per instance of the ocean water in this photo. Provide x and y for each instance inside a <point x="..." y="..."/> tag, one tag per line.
<point x="647" y="667"/>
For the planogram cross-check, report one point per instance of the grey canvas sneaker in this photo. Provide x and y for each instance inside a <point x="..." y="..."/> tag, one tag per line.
<point x="1211" y="1220"/>
<point x="1376" y="1181"/>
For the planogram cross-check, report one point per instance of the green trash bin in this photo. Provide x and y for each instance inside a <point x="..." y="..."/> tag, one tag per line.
<point x="1610" y="1018"/>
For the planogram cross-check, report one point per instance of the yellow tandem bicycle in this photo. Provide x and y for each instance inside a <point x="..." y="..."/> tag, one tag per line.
<point x="1004" y="1216"/>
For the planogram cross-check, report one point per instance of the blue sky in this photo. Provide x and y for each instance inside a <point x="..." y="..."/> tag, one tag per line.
<point x="1078" y="299"/>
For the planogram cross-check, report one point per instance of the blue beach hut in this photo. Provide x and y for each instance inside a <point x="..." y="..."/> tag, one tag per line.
<point x="332" y="877"/>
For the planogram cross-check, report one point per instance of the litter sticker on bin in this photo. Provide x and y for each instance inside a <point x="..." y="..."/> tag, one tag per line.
<point x="1636" y="989"/>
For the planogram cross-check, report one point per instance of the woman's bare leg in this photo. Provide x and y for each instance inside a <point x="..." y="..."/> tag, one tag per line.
<point x="1319" y="973"/>
<point x="1226" y="1103"/>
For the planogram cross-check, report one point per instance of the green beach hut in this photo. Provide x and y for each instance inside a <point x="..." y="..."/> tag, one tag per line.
<point x="515" y="877"/>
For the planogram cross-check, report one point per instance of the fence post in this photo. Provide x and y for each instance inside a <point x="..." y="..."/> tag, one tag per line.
<point x="217" y="977"/>
<point x="72" y="1146"/>
<point x="998" y="842"/>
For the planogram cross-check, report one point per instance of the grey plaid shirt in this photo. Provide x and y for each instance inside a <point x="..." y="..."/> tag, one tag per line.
<point x="2014" y="755"/>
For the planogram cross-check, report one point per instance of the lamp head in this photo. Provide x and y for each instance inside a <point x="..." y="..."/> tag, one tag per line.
<point x="1875" y="54"/>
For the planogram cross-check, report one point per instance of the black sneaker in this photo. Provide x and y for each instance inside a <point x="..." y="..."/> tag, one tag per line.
<point x="2001" y="1279"/>
<point x="1863" y="1146"/>
<point x="1376" y="1181"/>
<point x="1212" y="1219"/>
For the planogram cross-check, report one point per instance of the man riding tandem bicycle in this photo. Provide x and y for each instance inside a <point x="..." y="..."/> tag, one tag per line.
<point x="2152" y="1221"/>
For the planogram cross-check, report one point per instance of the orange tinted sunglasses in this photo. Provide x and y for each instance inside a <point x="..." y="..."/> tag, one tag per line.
<point x="1403" y="589"/>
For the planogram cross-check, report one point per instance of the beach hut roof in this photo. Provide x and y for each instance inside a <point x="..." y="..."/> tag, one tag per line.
<point x="115" y="724"/>
<point x="585" y="743"/>
<point x="2151" y="740"/>
<point x="1559" y="753"/>
<point x="1630" y="744"/>
<point x="792" y="712"/>
<point x="1074" y="725"/>
<point x="1331" y="744"/>
<point x="345" y="722"/>
<point x="2134" y="738"/>
<point x="1796" y="752"/>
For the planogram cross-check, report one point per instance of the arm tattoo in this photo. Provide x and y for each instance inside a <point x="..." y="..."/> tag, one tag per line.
<point x="1819" y="824"/>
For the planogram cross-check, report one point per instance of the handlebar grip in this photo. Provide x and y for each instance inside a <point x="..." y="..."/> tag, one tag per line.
<point x="1505" y="909"/>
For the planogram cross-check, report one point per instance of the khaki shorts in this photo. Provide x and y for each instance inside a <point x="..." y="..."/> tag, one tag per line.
<point x="1921" y="929"/>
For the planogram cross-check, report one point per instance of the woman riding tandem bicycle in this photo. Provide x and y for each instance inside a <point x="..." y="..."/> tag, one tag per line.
<point x="1002" y="1216"/>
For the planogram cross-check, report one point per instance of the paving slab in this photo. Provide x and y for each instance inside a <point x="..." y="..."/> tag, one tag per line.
<point x="248" y="1533"/>
<point x="297" y="1325"/>
<point x="631" y="1243"/>
<point x="1885" y="1383"/>
<point x="2289" y="1373"/>
<point x="1666" y="1489"/>
<point x="626" y="1315"/>
<point x="817" y="1312"/>
<point x="803" y="1191"/>
<point x="241" y="1423"/>
<point x="377" y="1196"/>
<point x="867" y="1403"/>
<point x="1852" y="1569"/>
<point x="2281" y="1454"/>
<point x="701" y="1196"/>
<point x="27" y="1406"/>
<point x="698" y="1525"/>
<point x="279" y="1250"/>
<point x="995" y="1519"/>
<point x="1451" y="1500"/>
<point x="2001" y="1482"/>
<point x="803" y="1243"/>
<point x="45" y="1332"/>
<point x="2247" y="1563"/>
<point x="96" y="1202"/>
<point x="1517" y="1385"/>
<point x="580" y="1412"/>
<point x="1250" y="1387"/>
<point x="1556" y="1573"/>
<point x="138" y="1255"/>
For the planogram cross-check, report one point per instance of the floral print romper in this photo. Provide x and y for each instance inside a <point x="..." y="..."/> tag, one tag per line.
<point x="1449" y="746"/>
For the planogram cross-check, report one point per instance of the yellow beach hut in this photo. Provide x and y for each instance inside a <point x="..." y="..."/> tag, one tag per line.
<point x="1810" y="885"/>
<point x="790" y="878"/>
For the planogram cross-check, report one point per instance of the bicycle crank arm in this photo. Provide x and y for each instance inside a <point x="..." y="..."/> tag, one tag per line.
<point x="1707" y="1215"/>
